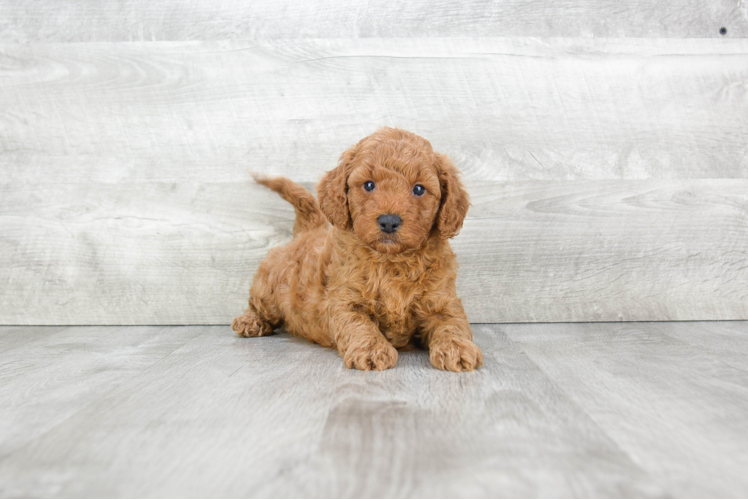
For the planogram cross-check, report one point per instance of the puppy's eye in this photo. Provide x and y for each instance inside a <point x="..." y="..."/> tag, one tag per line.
<point x="369" y="185"/>
<point x="418" y="190"/>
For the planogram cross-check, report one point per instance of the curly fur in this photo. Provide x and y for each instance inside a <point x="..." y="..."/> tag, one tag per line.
<point x="356" y="288"/>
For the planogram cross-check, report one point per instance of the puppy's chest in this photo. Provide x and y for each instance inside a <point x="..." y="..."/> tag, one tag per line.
<point x="391" y="298"/>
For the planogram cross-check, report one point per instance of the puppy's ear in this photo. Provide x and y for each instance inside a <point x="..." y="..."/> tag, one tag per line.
<point x="455" y="200"/>
<point x="332" y="191"/>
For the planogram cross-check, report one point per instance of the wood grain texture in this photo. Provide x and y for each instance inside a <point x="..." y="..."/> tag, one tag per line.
<point x="239" y="414"/>
<point x="71" y="368"/>
<point x="724" y="339"/>
<point x="564" y="410"/>
<point x="606" y="251"/>
<point x="431" y="435"/>
<point x="650" y="392"/>
<point x="184" y="253"/>
<point x="503" y="108"/>
<point x="140" y="20"/>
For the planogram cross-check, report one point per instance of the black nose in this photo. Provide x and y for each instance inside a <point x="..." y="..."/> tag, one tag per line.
<point x="389" y="222"/>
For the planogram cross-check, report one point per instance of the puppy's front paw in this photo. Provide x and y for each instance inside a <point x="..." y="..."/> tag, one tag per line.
<point x="455" y="354"/>
<point x="377" y="356"/>
<point x="249" y="325"/>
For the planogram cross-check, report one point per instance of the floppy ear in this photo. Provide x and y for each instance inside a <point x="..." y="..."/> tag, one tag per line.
<point x="332" y="191"/>
<point x="455" y="200"/>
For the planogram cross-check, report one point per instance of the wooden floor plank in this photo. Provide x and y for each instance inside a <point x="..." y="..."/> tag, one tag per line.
<point x="504" y="431"/>
<point x="46" y="379"/>
<point x="582" y="410"/>
<point x="19" y="336"/>
<point x="211" y="419"/>
<point x="677" y="410"/>
<point x="726" y="340"/>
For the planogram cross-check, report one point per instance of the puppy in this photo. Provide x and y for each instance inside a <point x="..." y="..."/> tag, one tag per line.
<point x="382" y="277"/>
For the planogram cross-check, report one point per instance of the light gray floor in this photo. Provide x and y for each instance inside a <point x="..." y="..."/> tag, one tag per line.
<point x="594" y="409"/>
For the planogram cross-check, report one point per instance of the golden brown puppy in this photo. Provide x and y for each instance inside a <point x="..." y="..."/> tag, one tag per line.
<point x="384" y="273"/>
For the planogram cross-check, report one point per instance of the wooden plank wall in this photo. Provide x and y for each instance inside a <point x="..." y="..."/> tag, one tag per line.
<point x="605" y="147"/>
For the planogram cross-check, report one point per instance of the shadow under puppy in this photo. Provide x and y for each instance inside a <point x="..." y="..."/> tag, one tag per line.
<point x="383" y="275"/>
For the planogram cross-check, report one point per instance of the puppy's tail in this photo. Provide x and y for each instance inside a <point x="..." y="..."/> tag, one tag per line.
<point x="308" y="214"/>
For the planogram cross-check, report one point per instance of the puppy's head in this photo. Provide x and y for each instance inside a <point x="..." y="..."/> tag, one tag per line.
<point x="392" y="190"/>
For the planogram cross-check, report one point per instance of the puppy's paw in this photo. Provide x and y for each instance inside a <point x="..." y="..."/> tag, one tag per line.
<point x="380" y="355"/>
<point x="455" y="354"/>
<point x="249" y="325"/>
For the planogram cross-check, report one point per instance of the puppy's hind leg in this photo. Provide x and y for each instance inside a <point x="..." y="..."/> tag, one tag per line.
<point x="261" y="317"/>
<point x="250" y="324"/>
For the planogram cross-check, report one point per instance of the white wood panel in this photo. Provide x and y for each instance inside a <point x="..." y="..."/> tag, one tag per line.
<point x="171" y="253"/>
<point x="504" y="109"/>
<point x="607" y="251"/>
<point x="564" y="410"/>
<point x="142" y="20"/>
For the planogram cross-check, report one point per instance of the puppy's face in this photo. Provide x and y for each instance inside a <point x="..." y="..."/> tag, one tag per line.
<point x="392" y="191"/>
<point x="393" y="198"/>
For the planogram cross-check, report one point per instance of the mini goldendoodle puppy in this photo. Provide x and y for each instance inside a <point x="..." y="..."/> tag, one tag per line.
<point x="383" y="275"/>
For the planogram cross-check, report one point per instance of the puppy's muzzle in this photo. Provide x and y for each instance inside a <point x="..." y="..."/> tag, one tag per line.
<point x="389" y="223"/>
